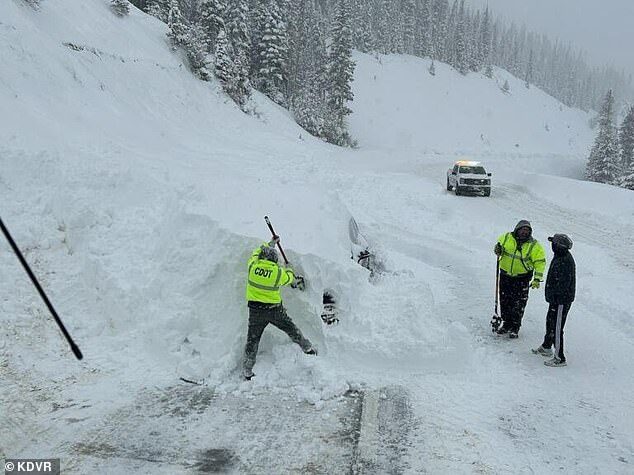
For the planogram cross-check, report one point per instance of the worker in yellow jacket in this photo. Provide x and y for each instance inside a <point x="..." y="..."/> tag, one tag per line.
<point x="522" y="263"/>
<point x="264" y="282"/>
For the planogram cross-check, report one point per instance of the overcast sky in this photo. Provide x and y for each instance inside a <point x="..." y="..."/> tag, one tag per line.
<point x="603" y="28"/>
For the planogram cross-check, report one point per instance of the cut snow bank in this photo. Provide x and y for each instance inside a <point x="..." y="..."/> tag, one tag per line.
<point x="138" y="193"/>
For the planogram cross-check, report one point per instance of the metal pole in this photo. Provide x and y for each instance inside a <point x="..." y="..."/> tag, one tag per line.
<point x="16" y="250"/>
<point x="266" y="218"/>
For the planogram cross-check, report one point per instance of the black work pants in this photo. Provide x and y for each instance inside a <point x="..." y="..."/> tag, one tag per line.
<point x="513" y="298"/>
<point x="555" y="321"/>
<point x="259" y="318"/>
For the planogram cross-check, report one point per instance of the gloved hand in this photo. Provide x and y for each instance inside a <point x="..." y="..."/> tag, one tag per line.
<point x="274" y="241"/>
<point x="498" y="249"/>
<point x="535" y="284"/>
<point x="299" y="283"/>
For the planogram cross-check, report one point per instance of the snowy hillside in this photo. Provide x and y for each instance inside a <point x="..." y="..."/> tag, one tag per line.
<point x="137" y="193"/>
<point x="399" y="105"/>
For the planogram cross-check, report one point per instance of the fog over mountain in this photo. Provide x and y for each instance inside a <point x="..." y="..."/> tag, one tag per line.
<point x="604" y="29"/>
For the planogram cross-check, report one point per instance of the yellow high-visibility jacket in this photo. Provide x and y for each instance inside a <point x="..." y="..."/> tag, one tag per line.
<point x="266" y="278"/>
<point x="515" y="261"/>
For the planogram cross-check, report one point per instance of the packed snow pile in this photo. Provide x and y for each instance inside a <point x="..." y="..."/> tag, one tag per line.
<point x="138" y="193"/>
<point x="137" y="188"/>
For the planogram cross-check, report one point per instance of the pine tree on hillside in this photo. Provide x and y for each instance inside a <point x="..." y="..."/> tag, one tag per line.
<point x="484" y="39"/>
<point x="340" y="76"/>
<point x="271" y="51"/>
<point x="120" y="7"/>
<point x="473" y="45"/>
<point x="178" y="31"/>
<point x="364" y="39"/>
<point x="409" y="22"/>
<point x="257" y="18"/>
<point x="381" y="26"/>
<point x="158" y="9"/>
<point x="602" y="164"/>
<point x="528" y="77"/>
<point x="450" y="38"/>
<point x="34" y="4"/>
<point x="224" y="65"/>
<point x="395" y="28"/>
<point x="427" y="45"/>
<point x="211" y="21"/>
<point x="506" y="87"/>
<point x="296" y="32"/>
<point x="439" y="29"/>
<point x="237" y="18"/>
<point x="306" y="66"/>
<point x="626" y="141"/>
<point x="200" y="60"/>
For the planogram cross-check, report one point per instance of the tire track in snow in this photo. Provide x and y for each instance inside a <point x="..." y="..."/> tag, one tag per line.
<point x="580" y="226"/>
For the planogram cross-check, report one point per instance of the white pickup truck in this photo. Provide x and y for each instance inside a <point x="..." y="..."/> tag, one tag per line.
<point x="469" y="177"/>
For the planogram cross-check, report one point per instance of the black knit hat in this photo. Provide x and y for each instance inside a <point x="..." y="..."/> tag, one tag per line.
<point x="561" y="240"/>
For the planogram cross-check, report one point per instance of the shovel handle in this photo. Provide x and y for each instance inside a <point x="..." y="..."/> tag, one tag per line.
<point x="268" y="223"/>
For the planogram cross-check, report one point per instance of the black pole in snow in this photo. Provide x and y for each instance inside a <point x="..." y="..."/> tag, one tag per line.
<point x="16" y="250"/>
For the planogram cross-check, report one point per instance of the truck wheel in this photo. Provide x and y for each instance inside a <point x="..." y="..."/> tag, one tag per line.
<point x="458" y="192"/>
<point x="487" y="192"/>
<point x="449" y="188"/>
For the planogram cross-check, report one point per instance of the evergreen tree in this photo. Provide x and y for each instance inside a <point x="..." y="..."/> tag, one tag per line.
<point x="310" y="106"/>
<point x="237" y="29"/>
<point x="271" y="74"/>
<point x="223" y="64"/>
<point x="211" y="21"/>
<point x="190" y="11"/>
<point x="432" y="68"/>
<point x="297" y="34"/>
<point x="462" y="55"/>
<point x="484" y="40"/>
<point x="120" y="7"/>
<point x="364" y="41"/>
<point x="626" y="142"/>
<point x="488" y="71"/>
<point x="506" y="87"/>
<point x="340" y="76"/>
<point x="603" y="161"/>
<point x="440" y="29"/>
<point x="178" y="31"/>
<point x="200" y="59"/>
<point x="382" y="30"/>
<point x="395" y="27"/>
<point x="34" y="4"/>
<point x="427" y="45"/>
<point x="450" y="38"/>
<point x="158" y="9"/>
<point x="409" y="23"/>
<point x="528" y="77"/>
<point x="228" y="71"/>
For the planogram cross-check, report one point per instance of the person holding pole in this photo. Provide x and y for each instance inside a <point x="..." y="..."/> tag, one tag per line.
<point x="522" y="261"/>
<point x="264" y="282"/>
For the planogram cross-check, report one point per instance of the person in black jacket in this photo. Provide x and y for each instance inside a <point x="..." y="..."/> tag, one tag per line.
<point x="560" y="293"/>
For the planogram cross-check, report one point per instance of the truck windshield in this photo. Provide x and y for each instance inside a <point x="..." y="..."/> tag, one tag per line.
<point x="472" y="170"/>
